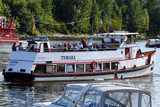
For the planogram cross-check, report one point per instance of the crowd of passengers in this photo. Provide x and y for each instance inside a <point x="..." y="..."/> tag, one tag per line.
<point x="20" y="48"/>
<point x="81" y="46"/>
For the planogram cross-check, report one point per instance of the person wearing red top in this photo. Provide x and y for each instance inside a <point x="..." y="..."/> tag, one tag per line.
<point x="138" y="53"/>
<point x="84" y="43"/>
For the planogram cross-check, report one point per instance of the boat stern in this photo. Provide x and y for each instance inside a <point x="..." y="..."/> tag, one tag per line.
<point x="18" y="77"/>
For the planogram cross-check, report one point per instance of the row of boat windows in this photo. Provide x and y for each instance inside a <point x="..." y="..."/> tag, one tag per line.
<point x="66" y="68"/>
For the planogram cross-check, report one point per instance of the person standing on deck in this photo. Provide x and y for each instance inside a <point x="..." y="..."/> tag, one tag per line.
<point x="14" y="47"/>
<point x="84" y="43"/>
<point x="20" y="48"/>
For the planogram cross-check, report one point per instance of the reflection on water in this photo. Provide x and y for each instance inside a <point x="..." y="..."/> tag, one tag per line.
<point x="14" y="95"/>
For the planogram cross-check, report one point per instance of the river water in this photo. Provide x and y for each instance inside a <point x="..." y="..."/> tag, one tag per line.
<point x="14" y="95"/>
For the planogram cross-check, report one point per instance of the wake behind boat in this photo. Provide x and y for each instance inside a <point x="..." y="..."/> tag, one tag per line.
<point x="117" y="53"/>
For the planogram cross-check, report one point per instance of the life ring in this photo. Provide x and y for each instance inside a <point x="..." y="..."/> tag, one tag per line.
<point x="94" y="64"/>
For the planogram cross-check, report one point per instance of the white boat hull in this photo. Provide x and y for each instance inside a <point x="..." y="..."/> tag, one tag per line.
<point x="144" y="71"/>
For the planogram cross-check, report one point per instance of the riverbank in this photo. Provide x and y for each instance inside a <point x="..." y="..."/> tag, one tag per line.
<point x="59" y="36"/>
<point x="56" y="37"/>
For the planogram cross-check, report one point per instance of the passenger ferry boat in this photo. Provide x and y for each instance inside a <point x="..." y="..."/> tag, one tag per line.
<point x="101" y="95"/>
<point x="7" y="31"/>
<point x="153" y="43"/>
<point x="117" y="53"/>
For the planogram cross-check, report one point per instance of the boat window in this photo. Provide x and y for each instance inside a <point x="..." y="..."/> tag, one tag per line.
<point x="120" y="98"/>
<point x="70" y="68"/>
<point x="46" y="47"/>
<point x="90" y="99"/>
<point x="40" y="69"/>
<point x="129" y="39"/>
<point x="106" y="40"/>
<point x="80" y="68"/>
<point x="89" y="68"/>
<point x="22" y="70"/>
<point x="61" y="68"/>
<point x="146" y="100"/>
<point x="10" y="69"/>
<point x="133" y="40"/>
<point x="117" y="40"/>
<point x="111" y="103"/>
<point x="67" y="97"/>
<point x="106" y="66"/>
<point x="113" y="65"/>
<point x="51" y="69"/>
<point x="134" y="99"/>
<point x="98" y="67"/>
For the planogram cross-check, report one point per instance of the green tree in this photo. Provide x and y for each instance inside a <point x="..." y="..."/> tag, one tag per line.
<point x="146" y="19"/>
<point x="1" y="8"/>
<point x="95" y="21"/>
<point x="116" y="18"/>
<point x="82" y="11"/>
<point x="116" y="25"/>
<point x="20" y="10"/>
<point x="123" y="4"/>
<point x="47" y="6"/>
<point x="106" y="5"/>
<point x="7" y="11"/>
<point x="151" y="6"/>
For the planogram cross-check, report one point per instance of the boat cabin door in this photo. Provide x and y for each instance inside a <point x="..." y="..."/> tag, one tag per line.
<point x="127" y="53"/>
<point x="41" y="47"/>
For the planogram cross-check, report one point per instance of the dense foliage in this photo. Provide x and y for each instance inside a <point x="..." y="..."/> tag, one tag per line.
<point x="83" y="16"/>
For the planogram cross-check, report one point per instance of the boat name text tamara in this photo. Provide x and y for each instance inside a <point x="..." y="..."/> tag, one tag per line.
<point x="68" y="57"/>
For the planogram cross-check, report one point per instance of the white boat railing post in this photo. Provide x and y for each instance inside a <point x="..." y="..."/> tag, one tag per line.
<point x="102" y="66"/>
<point x="84" y="67"/>
<point x="75" y="67"/>
<point x="110" y="66"/>
<point x="65" y="68"/>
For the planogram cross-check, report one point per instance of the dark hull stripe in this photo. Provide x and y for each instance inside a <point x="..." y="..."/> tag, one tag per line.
<point x="18" y="77"/>
<point x="27" y="77"/>
<point x="90" y="74"/>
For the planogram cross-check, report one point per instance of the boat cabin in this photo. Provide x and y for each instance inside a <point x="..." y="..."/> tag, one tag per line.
<point x="153" y="43"/>
<point x="98" y="42"/>
<point x="101" y="95"/>
<point x="40" y="44"/>
<point x="7" y="29"/>
<point x="112" y="40"/>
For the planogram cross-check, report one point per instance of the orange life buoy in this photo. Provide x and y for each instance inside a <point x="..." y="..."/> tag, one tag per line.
<point x="94" y="64"/>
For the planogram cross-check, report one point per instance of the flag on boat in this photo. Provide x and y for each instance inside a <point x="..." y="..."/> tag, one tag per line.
<point x="116" y="73"/>
<point x="33" y="27"/>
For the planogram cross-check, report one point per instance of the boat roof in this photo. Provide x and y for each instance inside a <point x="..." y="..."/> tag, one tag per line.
<point x="119" y="33"/>
<point x="113" y="35"/>
<point x="153" y="39"/>
<point x="38" y="39"/>
<point x="105" y="86"/>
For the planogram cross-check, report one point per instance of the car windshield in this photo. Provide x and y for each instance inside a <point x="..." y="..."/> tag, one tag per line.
<point x="68" y="95"/>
